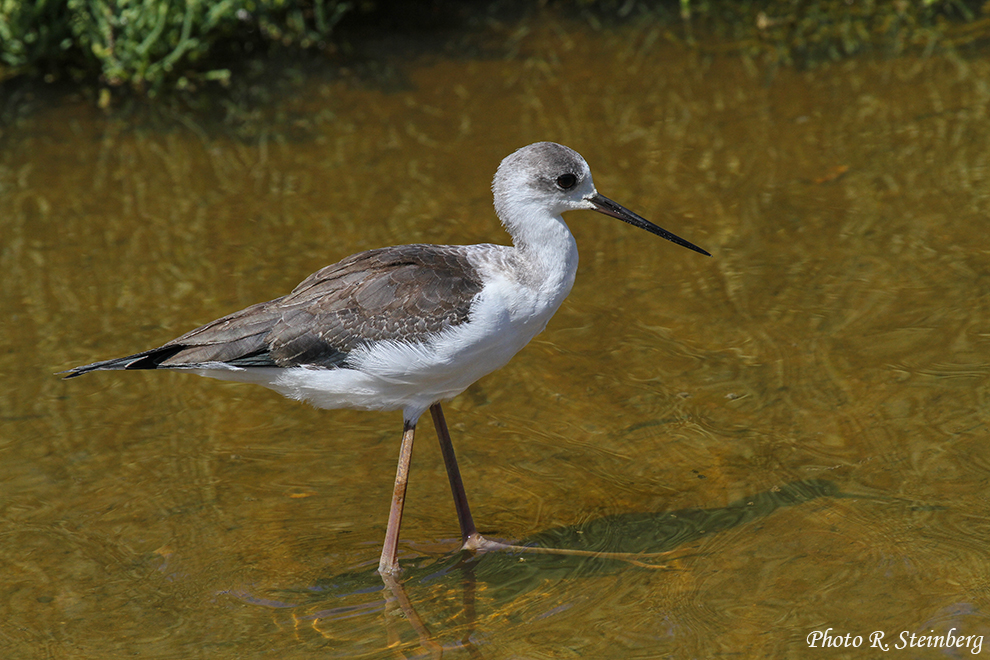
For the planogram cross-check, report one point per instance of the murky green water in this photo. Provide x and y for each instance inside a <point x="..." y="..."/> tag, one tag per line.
<point x="805" y="415"/>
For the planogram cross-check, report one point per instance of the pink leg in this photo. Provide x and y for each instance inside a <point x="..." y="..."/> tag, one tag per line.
<point x="389" y="564"/>
<point x="472" y="540"/>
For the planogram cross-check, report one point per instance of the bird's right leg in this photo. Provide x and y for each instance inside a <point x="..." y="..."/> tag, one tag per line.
<point x="473" y="541"/>
<point x="470" y="538"/>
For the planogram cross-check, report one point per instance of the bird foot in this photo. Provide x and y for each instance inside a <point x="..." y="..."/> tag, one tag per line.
<point x="476" y="543"/>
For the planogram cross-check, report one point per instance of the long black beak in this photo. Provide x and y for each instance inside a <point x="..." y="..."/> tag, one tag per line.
<point x="608" y="207"/>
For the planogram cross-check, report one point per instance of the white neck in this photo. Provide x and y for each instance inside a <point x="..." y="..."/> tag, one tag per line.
<point x="547" y="246"/>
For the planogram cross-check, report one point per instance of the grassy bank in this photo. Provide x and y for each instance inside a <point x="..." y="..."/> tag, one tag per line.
<point x="152" y="46"/>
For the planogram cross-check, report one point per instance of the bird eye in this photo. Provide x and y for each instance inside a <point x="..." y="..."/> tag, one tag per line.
<point x="566" y="181"/>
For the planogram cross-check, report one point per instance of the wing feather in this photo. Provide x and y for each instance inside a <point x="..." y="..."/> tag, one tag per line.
<point x="403" y="293"/>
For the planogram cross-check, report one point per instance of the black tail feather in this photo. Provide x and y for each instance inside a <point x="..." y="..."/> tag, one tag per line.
<point x="145" y="360"/>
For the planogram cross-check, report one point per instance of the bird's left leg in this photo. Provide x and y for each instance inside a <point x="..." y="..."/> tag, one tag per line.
<point x="389" y="564"/>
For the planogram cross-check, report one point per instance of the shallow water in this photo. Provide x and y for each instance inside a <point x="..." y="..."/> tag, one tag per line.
<point x="839" y="337"/>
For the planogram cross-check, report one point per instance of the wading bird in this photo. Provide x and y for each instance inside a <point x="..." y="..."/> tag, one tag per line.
<point x="410" y="326"/>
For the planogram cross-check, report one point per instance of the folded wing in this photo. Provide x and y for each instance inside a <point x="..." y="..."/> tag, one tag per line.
<point x="404" y="293"/>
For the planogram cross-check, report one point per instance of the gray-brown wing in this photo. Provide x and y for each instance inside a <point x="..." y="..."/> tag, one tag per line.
<point x="404" y="293"/>
<point x="237" y="339"/>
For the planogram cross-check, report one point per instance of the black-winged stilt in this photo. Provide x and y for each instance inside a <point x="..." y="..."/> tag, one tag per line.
<point x="407" y="327"/>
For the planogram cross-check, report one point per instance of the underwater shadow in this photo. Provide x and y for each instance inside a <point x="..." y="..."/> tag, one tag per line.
<point x="603" y="546"/>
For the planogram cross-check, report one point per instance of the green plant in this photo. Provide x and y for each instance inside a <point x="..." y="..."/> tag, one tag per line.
<point x="143" y="43"/>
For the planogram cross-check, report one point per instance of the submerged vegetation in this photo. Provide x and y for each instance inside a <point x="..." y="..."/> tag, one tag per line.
<point x="150" y="45"/>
